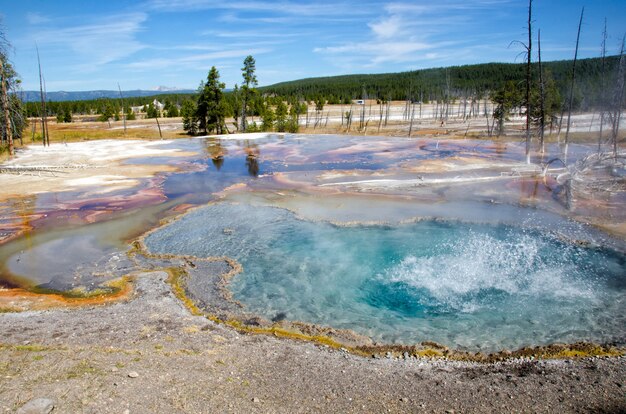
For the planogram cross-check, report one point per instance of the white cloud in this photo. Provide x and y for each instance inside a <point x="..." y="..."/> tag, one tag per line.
<point x="194" y="60"/>
<point x="375" y="53"/>
<point x="442" y="6"/>
<point x="100" y="42"/>
<point x="296" y="8"/>
<point x="410" y="32"/>
<point x="36" y="18"/>
<point x="387" y="28"/>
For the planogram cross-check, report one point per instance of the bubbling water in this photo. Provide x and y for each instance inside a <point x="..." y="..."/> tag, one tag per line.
<point x="470" y="286"/>
<point x="459" y="276"/>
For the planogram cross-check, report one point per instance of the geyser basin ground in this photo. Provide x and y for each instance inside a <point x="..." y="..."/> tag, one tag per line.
<point x="468" y="286"/>
<point x="331" y="179"/>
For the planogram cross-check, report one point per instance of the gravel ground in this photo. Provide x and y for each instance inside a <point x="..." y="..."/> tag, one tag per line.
<point x="150" y="355"/>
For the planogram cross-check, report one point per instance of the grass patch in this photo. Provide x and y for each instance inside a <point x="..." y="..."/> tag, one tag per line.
<point x="83" y="368"/>
<point x="30" y="348"/>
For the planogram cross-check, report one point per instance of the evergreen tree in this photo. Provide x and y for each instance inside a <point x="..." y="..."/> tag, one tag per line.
<point x="173" y="112"/>
<point x="67" y="115"/>
<point x="211" y="111"/>
<point x="281" y="116"/>
<point x="190" y="120"/>
<point x="248" y="88"/>
<point x="151" y="111"/>
<point x="106" y="112"/>
<point x="130" y="115"/>
<point x="64" y="114"/>
<point x="268" y="119"/>
<point x="505" y="98"/>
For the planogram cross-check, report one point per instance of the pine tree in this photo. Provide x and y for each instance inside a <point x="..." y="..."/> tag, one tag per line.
<point x="211" y="111"/>
<point x="190" y="120"/>
<point x="268" y="118"/>
<point x="248" y="88"/>
<point x="281" y="116"/>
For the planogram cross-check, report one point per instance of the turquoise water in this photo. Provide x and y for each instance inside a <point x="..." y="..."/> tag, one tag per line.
<point x="470" y="286"/>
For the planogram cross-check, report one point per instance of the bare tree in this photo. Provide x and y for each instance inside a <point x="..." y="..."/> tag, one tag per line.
<point x="618" y="99"/>
<point x="603" y="86"/>
<point x="5" y="105"/>
<point x="4" y="90"/>
<point x="571" y="91"/>
<point x="542" y="97"/>
<point x="528" y="79"/>
<point x="412" y="116"/>
<point x="123" y="110"/>
<point x="44" y="118"/>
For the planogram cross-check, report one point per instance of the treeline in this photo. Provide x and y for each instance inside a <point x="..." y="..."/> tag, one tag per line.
<point x="453" y="82"/>
<point x="100" y="106"/>
<point x="470" y="82"/>
<point x="439" y="84"/>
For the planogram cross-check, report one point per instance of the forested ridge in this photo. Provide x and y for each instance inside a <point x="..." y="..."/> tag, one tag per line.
<point x="453" y="82"/>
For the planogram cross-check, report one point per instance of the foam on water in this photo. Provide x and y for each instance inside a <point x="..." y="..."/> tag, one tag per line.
<point x="465" y="269"/>
<point x="472" y="286"/>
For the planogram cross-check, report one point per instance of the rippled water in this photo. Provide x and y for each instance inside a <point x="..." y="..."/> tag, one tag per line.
<point x="472" y="286"/>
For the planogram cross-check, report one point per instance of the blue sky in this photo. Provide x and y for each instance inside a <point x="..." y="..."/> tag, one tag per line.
<point x="87" y="45"/>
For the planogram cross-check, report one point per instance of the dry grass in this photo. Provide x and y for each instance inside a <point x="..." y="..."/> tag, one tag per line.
<point x="83" y="129"/>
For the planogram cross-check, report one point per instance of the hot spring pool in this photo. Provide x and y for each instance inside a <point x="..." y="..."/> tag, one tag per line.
<point x="468" y="286"/>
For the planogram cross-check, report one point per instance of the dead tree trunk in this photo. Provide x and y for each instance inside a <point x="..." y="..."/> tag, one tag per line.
<point x="542" y="98"/>
<point x="123" y="111"/>
<point x="44" y="120"/>
<point x="529" y="48"/>
<point x="349" y="120"/>
<point x="159" y="126"/>
<point x="5" y="104"/>
<point x="421" y="100"/>
<point x="411" y="122"/>
<point x="341" y="109"/>
<point x="33" y="131"/>
<point x="571" y="91"/>
<point x="602" y="86"/>
<point x="619" y="98"/>
<point x="387" y="111"/>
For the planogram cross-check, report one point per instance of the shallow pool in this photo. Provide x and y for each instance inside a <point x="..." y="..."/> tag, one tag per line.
<point x="469" y="286"/>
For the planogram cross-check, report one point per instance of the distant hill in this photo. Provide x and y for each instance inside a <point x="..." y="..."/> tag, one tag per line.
<point x="435" y="83"/>
<point x="60" y="96"/>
